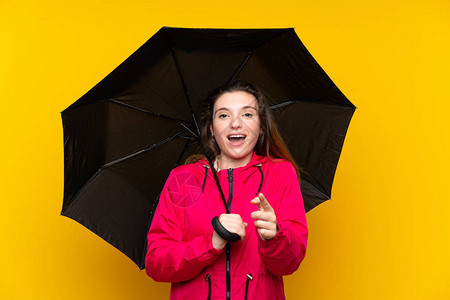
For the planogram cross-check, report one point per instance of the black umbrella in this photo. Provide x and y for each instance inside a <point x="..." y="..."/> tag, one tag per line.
<point x="122" y="138"/>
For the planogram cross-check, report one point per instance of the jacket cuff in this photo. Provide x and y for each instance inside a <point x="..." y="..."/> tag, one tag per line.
<point x="269" y="246"/>
<point x="209" y="246"/>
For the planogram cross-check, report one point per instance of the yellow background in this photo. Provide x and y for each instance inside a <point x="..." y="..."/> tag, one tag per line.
<point x="385" y="233"/>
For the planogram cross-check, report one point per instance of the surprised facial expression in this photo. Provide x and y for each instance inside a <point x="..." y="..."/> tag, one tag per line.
<point x="236" y="126"/>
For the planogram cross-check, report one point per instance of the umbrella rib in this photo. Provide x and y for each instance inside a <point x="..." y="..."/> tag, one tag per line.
<point x="281" y="104"/>
<point x="241" y="65"/>
<point x="186" y="92"/>
<point x="120" y="160"/>
<point x="147" y="111"/>
<point x="187" y="128"/>
<point x="250" y="54"/>
<point x="289" y="102"/>
<point x="179" y="121"/>
<point x="143" y="150"/>
<point x="327" y="103"/>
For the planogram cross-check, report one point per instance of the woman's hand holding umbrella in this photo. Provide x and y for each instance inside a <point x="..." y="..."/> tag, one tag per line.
<point x="233" y="223"/>
<point x="266" y="220"/>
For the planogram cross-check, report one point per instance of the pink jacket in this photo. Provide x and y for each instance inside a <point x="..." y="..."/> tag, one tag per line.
<point x="180" y="246"/>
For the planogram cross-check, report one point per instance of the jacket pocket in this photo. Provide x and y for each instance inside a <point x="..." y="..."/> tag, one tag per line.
<point x="208" y="279"/>
<point x="249" y="277"/>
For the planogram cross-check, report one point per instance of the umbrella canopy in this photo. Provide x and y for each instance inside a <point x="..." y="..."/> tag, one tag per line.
<point x="122" y="138"/>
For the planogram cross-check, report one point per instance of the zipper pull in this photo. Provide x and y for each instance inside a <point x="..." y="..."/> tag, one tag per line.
<point x="230" y="175"/>
<point x="249" y="277"/>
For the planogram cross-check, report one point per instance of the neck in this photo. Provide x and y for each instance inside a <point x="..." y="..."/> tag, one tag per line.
<point x="227" y="163"/>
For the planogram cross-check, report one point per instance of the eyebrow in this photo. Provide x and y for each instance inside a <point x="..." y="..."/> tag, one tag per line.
<point x="244" y="107"/>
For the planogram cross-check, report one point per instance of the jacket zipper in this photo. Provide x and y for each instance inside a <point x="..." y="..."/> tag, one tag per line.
<point x="230" y="184"/>
<point x="208" y="278"/>
<point x="228" y="246"/>
<point x="249" y="277"/>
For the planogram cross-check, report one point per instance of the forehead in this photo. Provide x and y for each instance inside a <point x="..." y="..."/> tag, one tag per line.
<point x="235" y="100"/>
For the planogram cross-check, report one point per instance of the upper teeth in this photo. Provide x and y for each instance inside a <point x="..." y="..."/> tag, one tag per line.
<point x="237" y="136"/>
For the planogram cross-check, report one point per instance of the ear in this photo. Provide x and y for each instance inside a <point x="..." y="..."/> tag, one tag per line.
<point x="211" y="130"/>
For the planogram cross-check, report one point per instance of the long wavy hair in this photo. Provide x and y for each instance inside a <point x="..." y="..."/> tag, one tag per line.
<point x="269" y="143"/>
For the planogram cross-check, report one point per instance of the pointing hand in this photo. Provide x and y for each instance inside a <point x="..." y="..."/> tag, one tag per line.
<point x="266" y="221"/>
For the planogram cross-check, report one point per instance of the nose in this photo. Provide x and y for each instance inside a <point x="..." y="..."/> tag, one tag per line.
<point x="235" y="123"/>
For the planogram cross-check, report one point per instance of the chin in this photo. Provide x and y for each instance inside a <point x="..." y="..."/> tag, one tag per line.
<point x="240" y="155"/>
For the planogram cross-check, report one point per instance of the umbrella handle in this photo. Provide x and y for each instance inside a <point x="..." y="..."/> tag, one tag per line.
<point x="223" y="232"/>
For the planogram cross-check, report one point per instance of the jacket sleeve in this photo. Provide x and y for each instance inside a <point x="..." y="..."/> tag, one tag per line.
<point x="283" y="254"/>
<point x="169" y="257"/>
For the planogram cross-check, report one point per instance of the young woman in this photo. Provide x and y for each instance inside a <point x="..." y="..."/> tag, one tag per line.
<point x="260" y="182"/>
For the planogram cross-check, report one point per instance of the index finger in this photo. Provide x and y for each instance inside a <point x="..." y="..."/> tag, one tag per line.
<point x="264" y="203"/>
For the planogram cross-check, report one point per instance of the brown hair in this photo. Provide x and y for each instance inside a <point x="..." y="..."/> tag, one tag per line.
<point x="269" y="143"/>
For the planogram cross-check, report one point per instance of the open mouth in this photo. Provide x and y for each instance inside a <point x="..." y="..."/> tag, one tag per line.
<point x="236" y="137"/>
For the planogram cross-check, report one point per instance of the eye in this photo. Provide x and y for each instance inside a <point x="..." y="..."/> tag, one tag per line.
<point x="248" y="115"/>
<point x="222" y="116"/>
